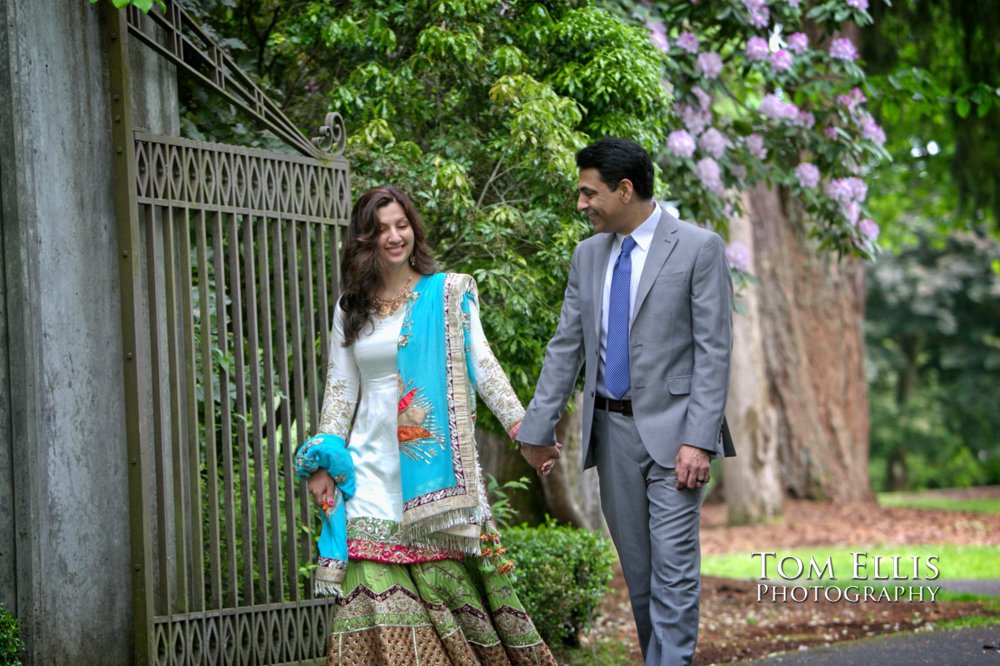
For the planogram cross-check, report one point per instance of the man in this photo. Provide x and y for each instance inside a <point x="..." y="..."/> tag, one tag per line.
<point x="647" y="311"/>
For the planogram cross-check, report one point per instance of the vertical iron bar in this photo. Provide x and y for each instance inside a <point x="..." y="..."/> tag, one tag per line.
<point x="309" y="315"/>
<point x="181" y="503"/>
<point x="268" y="320"/>
<point x="130" y="281"/>
<point x="298" y="394"/>
<point x="225" y="421"/>
<point x="193" y="447"/>
<point x="208" y="397"/>
<point x="259" y="467"/>
<point x="241" y="411"/>
<point x="288" y="444"/>
<point x="164" y="594"/>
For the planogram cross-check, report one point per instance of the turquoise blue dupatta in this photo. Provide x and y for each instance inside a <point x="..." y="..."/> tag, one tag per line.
<point x="439" y="468"/>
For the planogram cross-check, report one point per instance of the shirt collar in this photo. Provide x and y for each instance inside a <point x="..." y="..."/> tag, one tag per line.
<point x="643" y="234"/>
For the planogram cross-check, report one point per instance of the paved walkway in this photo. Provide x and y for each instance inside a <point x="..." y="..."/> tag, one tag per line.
<point x="956" y="647"/>
<point x="952" y="647"/>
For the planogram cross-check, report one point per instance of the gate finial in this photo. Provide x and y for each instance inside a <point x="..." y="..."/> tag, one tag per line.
<point x="332" y="134"/>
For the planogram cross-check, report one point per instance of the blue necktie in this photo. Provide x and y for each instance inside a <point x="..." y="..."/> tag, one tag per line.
<point x="617" y="378"/>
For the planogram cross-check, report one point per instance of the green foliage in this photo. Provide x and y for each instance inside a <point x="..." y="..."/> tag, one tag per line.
<point x="143" y="5"/>
<point x="933" y="344"/>
<point x="936" y="72"/>
<point x="476" y="109"/>
<point x="499" y="494"/>
<point x="939" y="502"/>
<point x="10" y="642"/>
<point x="561" y="576"/>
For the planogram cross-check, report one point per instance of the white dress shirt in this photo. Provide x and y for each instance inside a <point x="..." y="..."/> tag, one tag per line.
<point x="643" y="237"/>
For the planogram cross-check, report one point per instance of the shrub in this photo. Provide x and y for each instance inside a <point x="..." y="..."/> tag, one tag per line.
<point x="10" y="644"/>
<point x="561" y="576"/>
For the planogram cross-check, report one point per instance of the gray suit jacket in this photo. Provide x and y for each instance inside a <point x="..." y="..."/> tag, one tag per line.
<point x="681" y="337"/>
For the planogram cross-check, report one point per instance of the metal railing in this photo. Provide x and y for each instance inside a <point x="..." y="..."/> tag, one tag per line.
<point x="228" y="277"/>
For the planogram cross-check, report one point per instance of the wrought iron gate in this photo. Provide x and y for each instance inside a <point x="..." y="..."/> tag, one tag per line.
<point x="228" y="276"/>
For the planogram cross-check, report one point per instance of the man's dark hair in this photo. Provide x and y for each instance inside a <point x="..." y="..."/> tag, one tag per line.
<point x="616" y="159"/>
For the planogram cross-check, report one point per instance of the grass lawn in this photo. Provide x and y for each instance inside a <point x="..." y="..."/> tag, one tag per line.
<point x="931" y="501"/>
<point x="954" y="562"/>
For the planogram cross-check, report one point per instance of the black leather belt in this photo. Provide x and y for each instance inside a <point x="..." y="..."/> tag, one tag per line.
<point x="612" y="405"/>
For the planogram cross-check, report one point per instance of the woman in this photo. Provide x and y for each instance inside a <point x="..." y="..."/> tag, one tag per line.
<point x="409" y="339"/>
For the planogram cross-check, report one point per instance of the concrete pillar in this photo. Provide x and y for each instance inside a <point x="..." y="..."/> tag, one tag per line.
<point x="63" y="466"/>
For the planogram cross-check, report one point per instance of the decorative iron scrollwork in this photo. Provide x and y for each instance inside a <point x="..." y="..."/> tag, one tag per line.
<point x="332" y="134"/>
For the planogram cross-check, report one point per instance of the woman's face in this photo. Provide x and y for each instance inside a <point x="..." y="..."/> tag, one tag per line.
<point x="395" y="238"/>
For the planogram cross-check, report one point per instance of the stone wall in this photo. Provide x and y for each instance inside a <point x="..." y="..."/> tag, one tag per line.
<point x="63" y="467"/>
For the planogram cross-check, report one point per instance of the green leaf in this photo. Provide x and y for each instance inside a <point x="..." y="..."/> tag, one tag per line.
<point x="962" y="107"/>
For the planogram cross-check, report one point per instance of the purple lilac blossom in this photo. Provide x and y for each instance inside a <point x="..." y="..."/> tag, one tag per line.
<point x="775" y="108"/>
<point x="798" y="42"/>
<point x="830" y="133"/>
<point x="853" y="99"/>
<point x="704" y="99"/>
<point x="707" y="170"/>
<point x="781" y="60"/>
<point x="687" y="42"/>
<point x="680" y="143"/>
<point x="713" y="142"/>
<point x="760" y="17"/>
<point x="755" y="145"/>
<point x="843" y="49"/>
<point x="838" y="190"/>
<point x="857" y="188"/>
<point x="738" y="256"/>
<point x="805" y="119"/>
<point x="756" y="48"/>
<point x="658" y="35"/>
<point x="870" y="129"/>
<point x="868" y="229"/>
<point x="793" y="3"/>
<point x="694" y="119"/>
<point x="852" y="211"/>
<point x="808" y="175"/>
<point x="709" y="64"/>
<point x="860" y="5"/>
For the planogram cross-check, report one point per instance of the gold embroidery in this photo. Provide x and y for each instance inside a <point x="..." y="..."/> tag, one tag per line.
<point x="492" y="383"/>
<point x="338" y="408"/>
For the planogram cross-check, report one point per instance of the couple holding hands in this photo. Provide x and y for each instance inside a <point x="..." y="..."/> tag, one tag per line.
<point x="646" y="313"/>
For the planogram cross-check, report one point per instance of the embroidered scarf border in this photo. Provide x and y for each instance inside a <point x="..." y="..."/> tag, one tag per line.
<point x="449" y="515"/>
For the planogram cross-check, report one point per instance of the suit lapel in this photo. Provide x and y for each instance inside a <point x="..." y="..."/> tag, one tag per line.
<point x="664" y="240"/>
<point x="603" y="252"/>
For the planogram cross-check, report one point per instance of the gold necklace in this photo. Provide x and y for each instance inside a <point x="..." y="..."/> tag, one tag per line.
<point x="386" y="306"/>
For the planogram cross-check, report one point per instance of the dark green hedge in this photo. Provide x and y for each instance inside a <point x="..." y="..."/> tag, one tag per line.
<point x="562" y="575"/>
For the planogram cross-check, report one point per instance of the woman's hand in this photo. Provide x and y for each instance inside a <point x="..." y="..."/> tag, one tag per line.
<point x="513" y="430"/>
<point x="322" y="487"/>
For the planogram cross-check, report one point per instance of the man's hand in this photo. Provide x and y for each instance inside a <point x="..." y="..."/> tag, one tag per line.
<point x="541" y="458"/>
<point x="692" y="467"/>
<point x="322" y="487"/>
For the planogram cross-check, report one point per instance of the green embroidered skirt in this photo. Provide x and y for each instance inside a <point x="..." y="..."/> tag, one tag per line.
<point x="431" y="613"/>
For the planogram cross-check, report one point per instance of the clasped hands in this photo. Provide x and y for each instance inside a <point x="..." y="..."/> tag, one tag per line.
<point x="542" y="458"/>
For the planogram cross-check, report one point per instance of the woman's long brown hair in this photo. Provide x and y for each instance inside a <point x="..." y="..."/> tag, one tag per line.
<point x="361" y="268"/>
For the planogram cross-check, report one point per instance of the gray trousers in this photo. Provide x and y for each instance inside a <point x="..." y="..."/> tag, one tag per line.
<point x="654" y="527"/>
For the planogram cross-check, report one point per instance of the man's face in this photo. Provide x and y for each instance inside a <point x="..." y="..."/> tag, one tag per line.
<point x="603" y="206"/>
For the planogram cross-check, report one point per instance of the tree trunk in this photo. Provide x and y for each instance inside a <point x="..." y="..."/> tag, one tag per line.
<point x="810" y="307"/>
<point x="752" y="483"/>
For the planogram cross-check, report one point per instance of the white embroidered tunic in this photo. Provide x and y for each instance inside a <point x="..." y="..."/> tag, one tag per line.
<point x="368" y="367"/>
